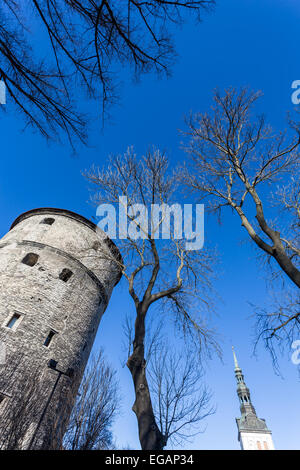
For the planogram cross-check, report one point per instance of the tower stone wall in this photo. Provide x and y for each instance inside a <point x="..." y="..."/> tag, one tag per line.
<point x="57" y="273"/>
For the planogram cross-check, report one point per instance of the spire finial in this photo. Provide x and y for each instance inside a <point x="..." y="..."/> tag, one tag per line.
<point x="236" y="365"/>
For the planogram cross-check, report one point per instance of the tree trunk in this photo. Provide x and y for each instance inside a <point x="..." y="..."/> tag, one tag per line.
<point x="149" y="434"/>
<point x="286" y="264"/>
<point x="276" y="250"/>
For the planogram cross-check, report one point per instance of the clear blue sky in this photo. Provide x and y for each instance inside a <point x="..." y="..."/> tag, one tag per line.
<point x="246" y="42"/>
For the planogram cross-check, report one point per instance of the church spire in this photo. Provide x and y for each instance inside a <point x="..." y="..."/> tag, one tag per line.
<point x="242" y="389"/>
<point x="236" y="365"/>
<point x="253" y="431"/>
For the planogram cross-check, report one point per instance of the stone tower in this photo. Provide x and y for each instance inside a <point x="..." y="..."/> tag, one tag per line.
<point x="253" y="433"/>
<point x="57" y="273"/>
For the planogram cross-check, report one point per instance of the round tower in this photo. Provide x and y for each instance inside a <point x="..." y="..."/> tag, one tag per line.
<point x="57" y="273"/>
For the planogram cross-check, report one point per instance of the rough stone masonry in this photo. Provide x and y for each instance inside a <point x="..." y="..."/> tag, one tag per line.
<point x="57" y="274"/>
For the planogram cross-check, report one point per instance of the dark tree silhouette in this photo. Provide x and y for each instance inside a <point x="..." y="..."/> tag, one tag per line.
<point x="163" y="272"/>
<point x="238" y="162"/>
<point x="175" y="374"/>
<point x="180" y="400"/>
<point x="93" y="411"/>
<point x="96" y="406"/>
<point x="83" y="42"/>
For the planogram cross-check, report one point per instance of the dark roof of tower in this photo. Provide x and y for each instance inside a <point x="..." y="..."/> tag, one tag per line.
<point x="251" y="423"/>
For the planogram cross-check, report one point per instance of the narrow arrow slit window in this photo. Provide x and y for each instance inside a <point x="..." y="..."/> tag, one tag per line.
<point x="49" y="338"/>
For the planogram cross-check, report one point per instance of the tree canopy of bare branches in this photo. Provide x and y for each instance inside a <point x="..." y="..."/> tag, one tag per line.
<point x="180" y="400"/>
<point x="80" y="45"/>
<point x="238" y="161"/>
<point x="96" y="406"/>
<point x="157" y="271"/>
<point x="278" y="326"/>
<point x="175" y="374"/>
<point x="17" y="422"/>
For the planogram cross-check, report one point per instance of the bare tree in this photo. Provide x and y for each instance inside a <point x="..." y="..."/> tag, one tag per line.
<point x="95" y="408"/>
<point x="175" y="375"/>
<point x="278" y="326"/>
<point x="287" y="199"/>
<point x="25" y="420"/>
<point x="29" y="420"/>
<point x="158" y="272"/>
<point x="84" y="42"/>
<point x="16" y="420"/>
<point x="180" y="400"/>
<point x="237" y="162"/>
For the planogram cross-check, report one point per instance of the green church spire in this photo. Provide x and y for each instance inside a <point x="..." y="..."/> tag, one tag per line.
<point x="248" y="422"/>
<point x="242" y="389"/>
<point x="236" y="365"/>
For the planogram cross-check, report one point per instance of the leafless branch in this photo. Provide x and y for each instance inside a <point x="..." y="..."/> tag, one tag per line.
<point x="235" y="161"/>
<point x="82" y="44"/>
<point x="159" y="272"/>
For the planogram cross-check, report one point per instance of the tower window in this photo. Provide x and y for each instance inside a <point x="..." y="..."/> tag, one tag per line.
<point x="259" y="445"/>
<point x="48" y="221"/>
<point x="49" y="338"/>
<point x="12" y="322"/>
<point x="65" y="275"/>
<point x="30" y="259"/>
<point x="266" y="445"/>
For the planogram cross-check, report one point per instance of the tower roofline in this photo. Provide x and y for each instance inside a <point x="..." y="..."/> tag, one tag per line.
<point x="54" y="210"/>
<point x="72" y="215"/>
